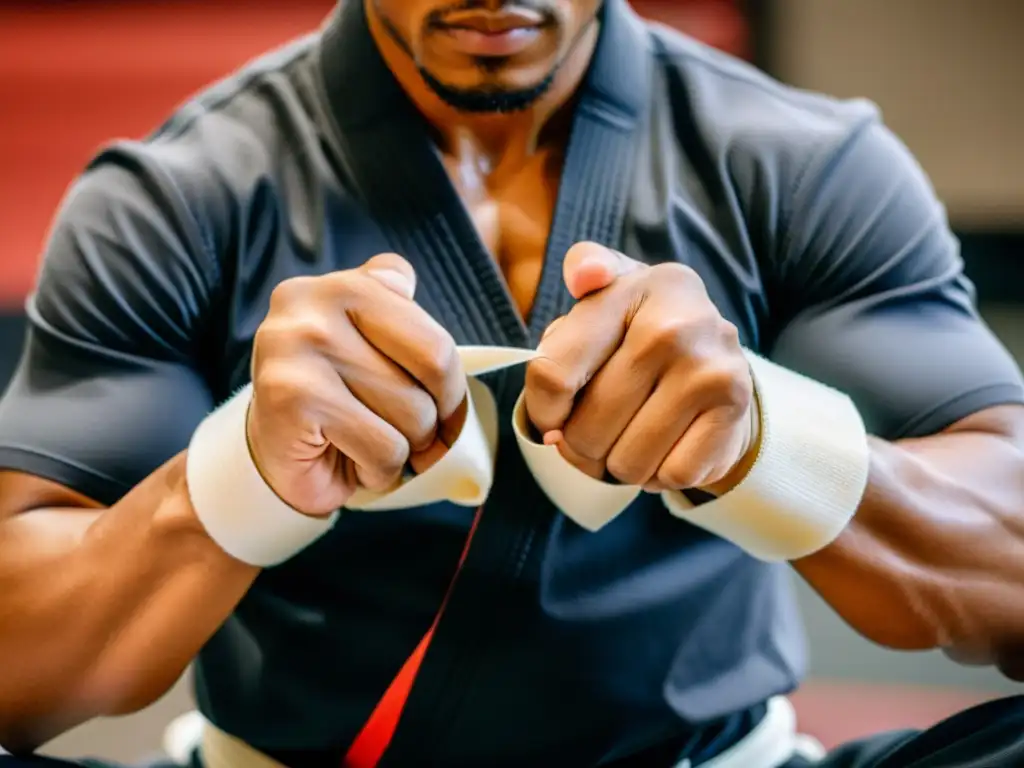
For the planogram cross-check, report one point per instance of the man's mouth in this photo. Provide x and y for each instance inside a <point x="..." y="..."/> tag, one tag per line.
<point x="492" y="34"/>
<point x="493" y="22"/>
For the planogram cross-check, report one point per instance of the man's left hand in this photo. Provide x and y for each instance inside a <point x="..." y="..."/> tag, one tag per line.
<point x="643" y="379"/>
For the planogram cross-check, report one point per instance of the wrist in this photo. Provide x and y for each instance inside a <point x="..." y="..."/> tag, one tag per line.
<point x="236" y="506"/>
<point x="750" y="454"/>
<point x="265" y="467"/>
<point x="173" y="528"/>
<point x="807" y="480"/>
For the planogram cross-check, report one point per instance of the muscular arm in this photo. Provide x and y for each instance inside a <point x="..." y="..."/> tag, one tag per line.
<point x="104" y="607"/>
<point x="103" y="603"/>
<point x="935" y="555"/>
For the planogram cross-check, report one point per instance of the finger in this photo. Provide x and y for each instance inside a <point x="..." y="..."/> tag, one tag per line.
<point x="609" y="403"/>
<point x="594" y="469"/>
<point x="705" y="453"/>
<point x="447" y="434"/>
<point x="405" y="333"/>
<point x="590" y="267"/>
<point x="650" y="436"/>
<point x="551" y="328"/>
<point x="572" y="353"/>
<point x="387" y="390"/>
<point x="423" y="460"/>
<point x="393" y="272"/>
<point x="378" y="450"/>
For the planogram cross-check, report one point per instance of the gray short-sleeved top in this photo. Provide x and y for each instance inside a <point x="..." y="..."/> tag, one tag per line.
<point x="817" y="235"/>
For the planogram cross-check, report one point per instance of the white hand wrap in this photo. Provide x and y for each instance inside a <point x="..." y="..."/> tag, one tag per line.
<point x="809" y="476"/>
<point x="802" y="491"/>
<point x="232" y="500"/>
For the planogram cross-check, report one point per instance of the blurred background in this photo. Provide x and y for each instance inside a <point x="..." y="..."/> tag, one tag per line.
<point x="948" y="74"/>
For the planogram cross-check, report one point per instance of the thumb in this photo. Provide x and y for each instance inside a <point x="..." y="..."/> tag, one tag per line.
<point x="394" y="272"/>
<point x="589" y="267"/>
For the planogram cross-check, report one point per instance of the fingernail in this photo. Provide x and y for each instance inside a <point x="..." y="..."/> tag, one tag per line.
<point x="396" y="281"/>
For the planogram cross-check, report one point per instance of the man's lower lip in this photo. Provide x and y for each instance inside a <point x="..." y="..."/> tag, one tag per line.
<point x="474" y="43"/>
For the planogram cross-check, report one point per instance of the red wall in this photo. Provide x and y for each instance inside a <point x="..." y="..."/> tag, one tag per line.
<point x="73" y="75"/>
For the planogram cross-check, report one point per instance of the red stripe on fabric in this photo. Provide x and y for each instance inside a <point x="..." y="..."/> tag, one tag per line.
<point x="373" y="740"/>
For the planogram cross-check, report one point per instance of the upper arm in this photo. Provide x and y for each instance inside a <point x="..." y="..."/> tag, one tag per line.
<point x="110" y="384"/>
<point x="873" y="296"/>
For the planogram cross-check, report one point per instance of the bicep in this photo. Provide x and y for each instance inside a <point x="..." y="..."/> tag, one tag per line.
<point x="880" y="306"/>
<point x="109" y="385"/>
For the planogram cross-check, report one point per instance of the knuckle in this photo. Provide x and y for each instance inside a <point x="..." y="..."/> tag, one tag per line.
<point x="729" y="334"/>
<point x="372" y="481"/>
<point x="289" y="329"/>
<point x="677" y="476"/>
<point x="378" y="479"/>
<point x="271" y="334"/>
<point x="421" y="421"/>
<point x="391" y="456"/>
<point x="548" y="378"/>
<point x="626" y="470"/>
<point x="582" y="442"/>
<point x="280" y="387"/>
<point x="291" y="291"/>
<point x="439" y="359"/>
<point x="264" y="342"/>
<point x="725" y="386"/>
<point x="312" y="330"/>
<point x="667" y="337"/>
<point x="348" y="284"/>
<point x="438" y="364"/>
<point x="676" y="272"/>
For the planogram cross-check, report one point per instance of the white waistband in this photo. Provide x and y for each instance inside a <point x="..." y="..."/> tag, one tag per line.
<point x="770" y="744"/>
<point x="773" y="742"/>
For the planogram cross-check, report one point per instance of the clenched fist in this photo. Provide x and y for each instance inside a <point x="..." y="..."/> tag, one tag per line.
<point x="643" y="380"/>
<point x="352" y="382"/>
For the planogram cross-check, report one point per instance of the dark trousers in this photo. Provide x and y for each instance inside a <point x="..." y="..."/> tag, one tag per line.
<point x="987" y="736"/>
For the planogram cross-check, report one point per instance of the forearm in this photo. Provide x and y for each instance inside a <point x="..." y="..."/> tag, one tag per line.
<point x="103" y="610"/>
<point x="934" y="557"/>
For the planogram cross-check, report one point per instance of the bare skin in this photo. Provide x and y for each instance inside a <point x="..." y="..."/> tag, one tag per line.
<point x="934" y="558"/>
<point x="92" y="597"/>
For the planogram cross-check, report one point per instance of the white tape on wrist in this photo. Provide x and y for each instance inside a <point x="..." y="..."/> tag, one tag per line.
<point x="240" y="512"/>
<point x="590" y="503"/>
<point x="800" y="494"/>
<point x="809" y="476"/>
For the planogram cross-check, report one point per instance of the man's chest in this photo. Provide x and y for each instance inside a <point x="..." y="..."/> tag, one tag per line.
<point x="512" y="213"/>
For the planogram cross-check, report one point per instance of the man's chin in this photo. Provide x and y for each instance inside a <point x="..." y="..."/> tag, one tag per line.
<point x="487" y="99"/>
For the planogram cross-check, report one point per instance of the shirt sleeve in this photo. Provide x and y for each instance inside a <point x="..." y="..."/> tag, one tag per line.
<point x="109" y="385"/>
<point x="872" y="297"/>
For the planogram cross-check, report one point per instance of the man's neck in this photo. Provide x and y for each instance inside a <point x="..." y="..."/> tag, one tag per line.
<point x="504" y="139"/>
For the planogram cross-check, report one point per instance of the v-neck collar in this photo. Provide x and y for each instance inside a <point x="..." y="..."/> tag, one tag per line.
<point x="384" y="143"/>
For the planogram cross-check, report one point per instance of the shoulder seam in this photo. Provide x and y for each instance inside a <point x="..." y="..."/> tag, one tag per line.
<point x="197" y="107"/>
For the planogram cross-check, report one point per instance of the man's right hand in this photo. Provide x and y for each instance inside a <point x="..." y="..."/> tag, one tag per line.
<point x="352" y="382"/>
